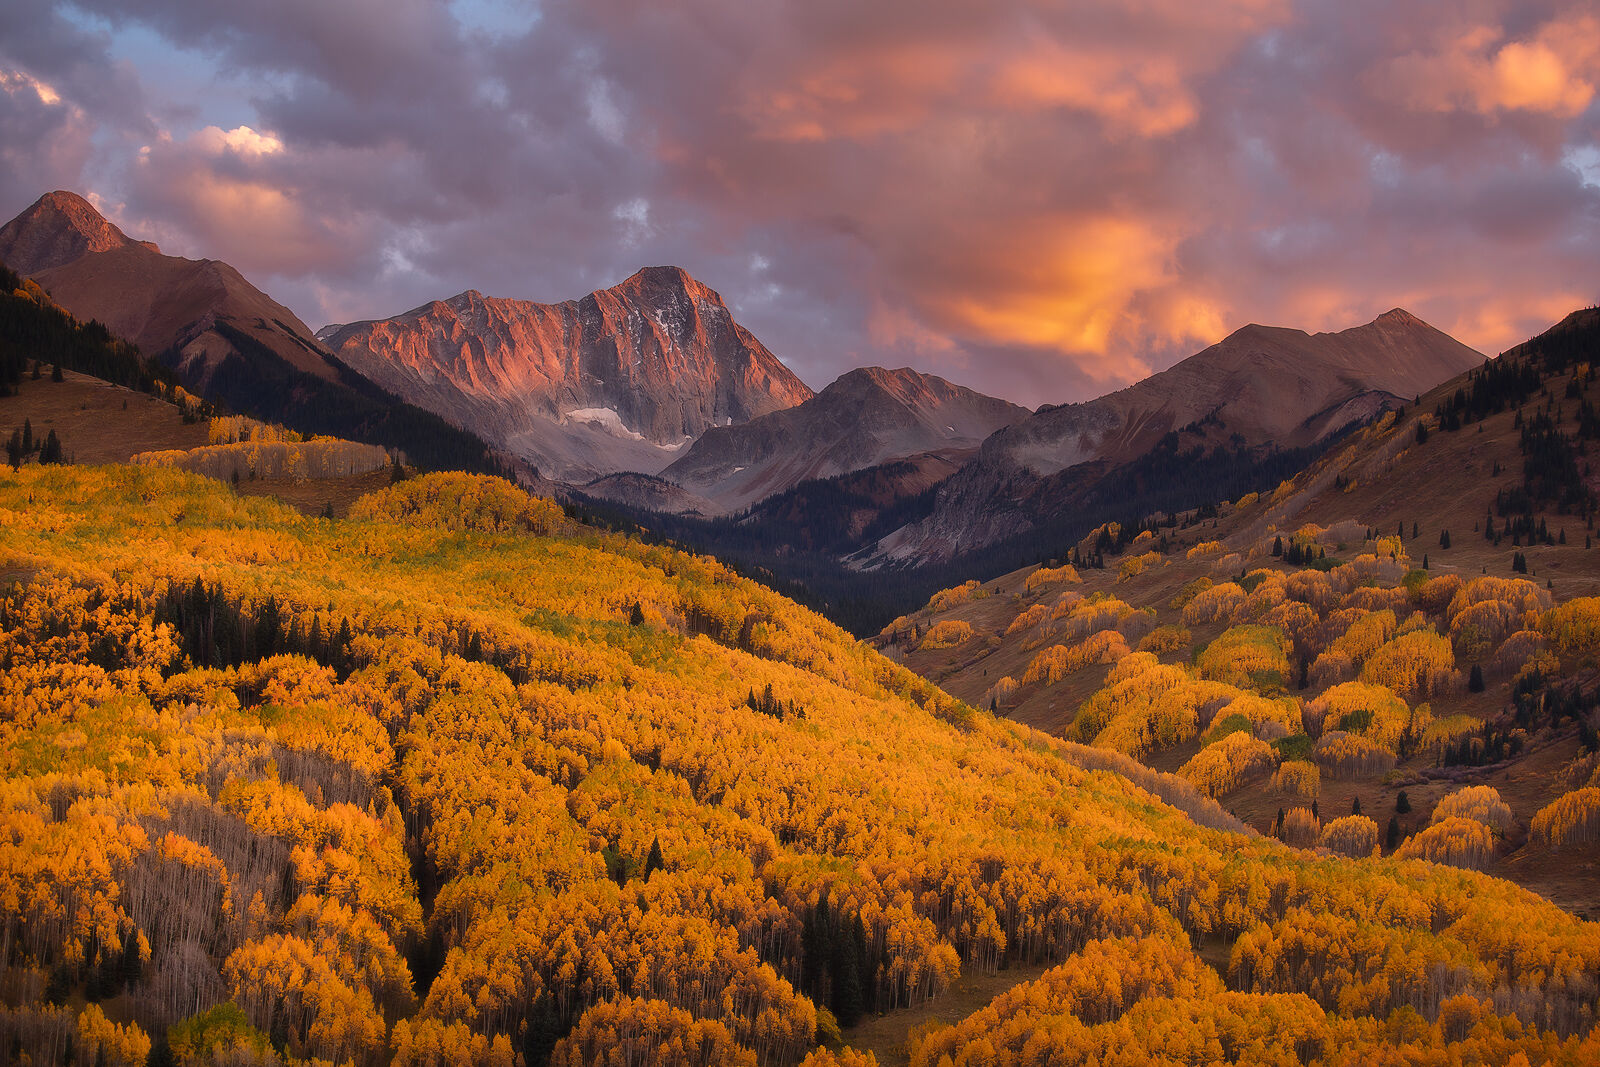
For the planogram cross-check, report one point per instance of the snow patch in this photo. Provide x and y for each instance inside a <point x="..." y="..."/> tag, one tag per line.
<point x="607" y="419"/>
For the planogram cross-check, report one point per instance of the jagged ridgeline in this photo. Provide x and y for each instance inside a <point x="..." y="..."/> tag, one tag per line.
<point x="453" y="780"/>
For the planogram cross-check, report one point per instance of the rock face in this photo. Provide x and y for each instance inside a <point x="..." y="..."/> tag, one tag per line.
<point x="1260" y="386"/>
<point x="867" y="417"/>
<point x="621" y="380"/>
<point x="189" y="313"/>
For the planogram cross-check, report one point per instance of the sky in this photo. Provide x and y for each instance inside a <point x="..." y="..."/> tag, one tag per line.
<point x="1042" y="201"/>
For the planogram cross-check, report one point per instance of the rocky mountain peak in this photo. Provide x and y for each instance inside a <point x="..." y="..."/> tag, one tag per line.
<point x="620" y="379"/>
<point x="59" y="228"/>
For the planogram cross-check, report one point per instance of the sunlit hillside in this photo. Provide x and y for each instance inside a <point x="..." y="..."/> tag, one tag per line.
<point x="1407" y="623"/>
<point x="451" y="781"/>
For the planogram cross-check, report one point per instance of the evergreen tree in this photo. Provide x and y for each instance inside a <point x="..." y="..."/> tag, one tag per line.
<point x="1402" y="803"/>
<point x="1392" y="838"/>
<point x="14" y="451"/>
<point x="1277" y="546"/>
<point x="653" y="862"/>
<point x="1475" y="680"/>
<point x="848" y="1003"/>
<point x="56" y="375"/>
<point x="1444" y="538"/>
<point x="1355" y="805"/>
<point x="636" y="616"/>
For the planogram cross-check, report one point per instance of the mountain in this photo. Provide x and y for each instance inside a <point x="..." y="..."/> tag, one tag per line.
<point x="228" y="341"/>
<point x="183" y="311"/>
<point x="1260" y="388"/>
<point x="1420" y="595"/>
<point x="867" y="417"/>
<point x="620" y="380"/>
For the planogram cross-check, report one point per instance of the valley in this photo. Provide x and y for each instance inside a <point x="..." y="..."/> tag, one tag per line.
<point x="312" y="754"/>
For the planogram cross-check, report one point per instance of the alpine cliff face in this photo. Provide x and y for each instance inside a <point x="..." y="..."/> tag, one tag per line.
<point x="867" y="417"/>
<point x="621" y="380"/>
<point x="1261" y="386"/>
<point x="192" y="314"/>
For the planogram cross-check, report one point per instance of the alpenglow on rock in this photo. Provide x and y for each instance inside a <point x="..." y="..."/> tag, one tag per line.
<point x="621" y="380"/>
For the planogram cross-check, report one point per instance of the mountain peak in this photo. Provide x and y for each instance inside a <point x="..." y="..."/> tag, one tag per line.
<point x="669" y="279"/>
<point x="60" y="227"/>
<point x="1399" y="316"/>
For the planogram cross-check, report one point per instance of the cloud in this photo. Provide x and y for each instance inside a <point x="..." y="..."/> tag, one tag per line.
<point x="1478" y="69"/>
<point x="1038" y="200"/>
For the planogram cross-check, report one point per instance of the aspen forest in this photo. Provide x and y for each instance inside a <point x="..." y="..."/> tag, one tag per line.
<point x="457" y="780"/>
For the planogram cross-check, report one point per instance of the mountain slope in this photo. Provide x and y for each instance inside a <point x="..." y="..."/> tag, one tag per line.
<point x="1423" y="550"/>
<point x="619" y="380"/>
<point x="1261" y="387"/>
<point x="227" y="340"/>
<point x="448" y="781"/>
<point x="168" y="306"/>
<point x="867" y="417"/>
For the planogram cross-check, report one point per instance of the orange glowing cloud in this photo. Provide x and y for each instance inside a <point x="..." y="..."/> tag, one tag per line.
<point x="1148" y="98"/>
<point x="1067" y="285"/>
<point x="1552" y="72"/>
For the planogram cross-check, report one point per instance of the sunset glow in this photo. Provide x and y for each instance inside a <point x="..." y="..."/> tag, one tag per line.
<point x="1041" y="203"/>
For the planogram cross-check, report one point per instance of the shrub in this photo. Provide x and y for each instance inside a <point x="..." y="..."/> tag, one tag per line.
<point x="1455" y="842"/>
<point x="1574" y="628"/>
<point x="1416" y="665"/>
<point x="1214" y="604"/>
<point x="945" y="599"/>
<point x="1517" y="650"/>
<point x="1300" y="828"/>
<point x="1058" y="661"/>
<point x="1479" y="802"/>
<point x="1247" y="656"/>
<point x="1219" y="769"/>
<point x="1166" y="639"/>
<point x="1033" y="617"/>
<point x="1574" y="819"/>
<point x="1043" y="576"/>
<point x="461" y="502"/>
<point x="1343" y="755"/>
<point x="947" y="633"/>
<point x="1001" y="692"/>
<point x="1134" y="566"/>
<point x="1299" y="777"/>
<point x="1189" y="591"/>
<point x="1355" y="836"/>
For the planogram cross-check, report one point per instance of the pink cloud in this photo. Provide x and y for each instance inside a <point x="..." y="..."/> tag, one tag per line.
<point x="1039" y="200"/>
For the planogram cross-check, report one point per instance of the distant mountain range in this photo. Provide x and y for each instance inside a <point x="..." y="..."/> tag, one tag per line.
<point x="868" y="417"/>
<point x="1260" y="387"/>
<point x="648" y="396"/>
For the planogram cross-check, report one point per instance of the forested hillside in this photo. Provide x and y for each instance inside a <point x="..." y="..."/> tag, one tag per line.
<point x="1394" y="651"/>
<point x="453" y="780"/>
